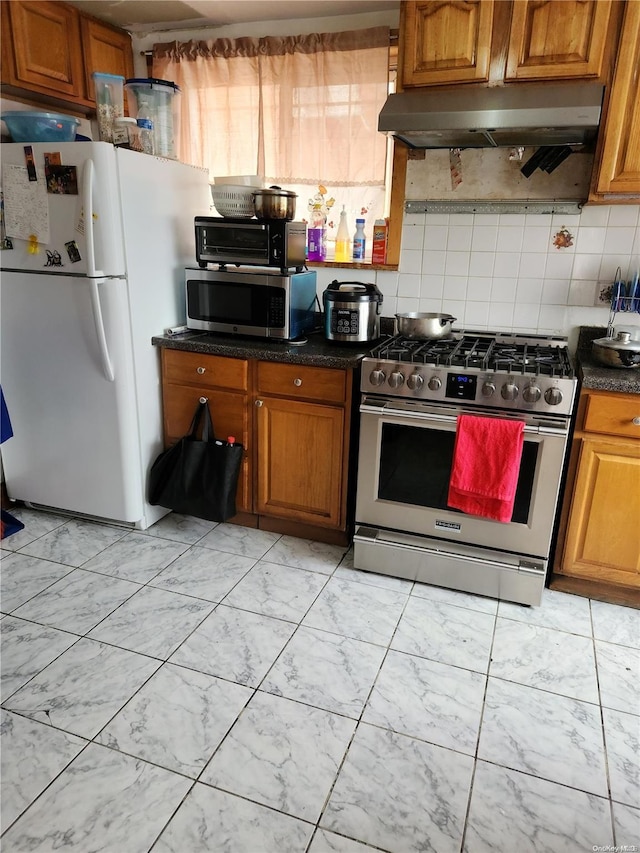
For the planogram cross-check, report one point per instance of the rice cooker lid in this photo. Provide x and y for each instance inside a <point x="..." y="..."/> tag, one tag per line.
<point x="352" y="291"/>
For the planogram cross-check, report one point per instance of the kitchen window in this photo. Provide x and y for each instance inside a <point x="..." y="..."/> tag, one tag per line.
<point x="301" y="111"/>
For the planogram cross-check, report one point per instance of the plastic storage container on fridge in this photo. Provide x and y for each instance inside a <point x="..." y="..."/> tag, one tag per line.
<point x="109" y="103"/>
<point x="28" y="126"/>
<point x="159" y="101"/>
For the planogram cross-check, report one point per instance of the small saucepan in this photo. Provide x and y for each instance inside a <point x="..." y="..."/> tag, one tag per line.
<point x="417" y="324"/>
<point x="275" y="203"/>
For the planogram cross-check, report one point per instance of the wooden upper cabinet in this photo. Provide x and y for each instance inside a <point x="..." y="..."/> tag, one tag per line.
<point x="105" y="49"/>
<point x="618" y="171"/>
<point x="446" y="41"/>
<point x="50" y="50"/>
<point x="558" y="39"/>
<point x="44" y="48"/>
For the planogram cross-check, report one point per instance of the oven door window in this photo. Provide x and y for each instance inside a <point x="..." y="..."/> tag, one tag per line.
<point x="238" y="304"/>
<point x="415" y="467"/>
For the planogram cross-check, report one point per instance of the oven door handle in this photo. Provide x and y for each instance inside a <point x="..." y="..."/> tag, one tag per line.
<point x="432" y="417"/>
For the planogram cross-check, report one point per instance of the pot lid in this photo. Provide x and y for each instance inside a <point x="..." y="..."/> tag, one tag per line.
<point x="275" y="191"/>
<point x="354" y="291"/>
<point x="622" y="341"/>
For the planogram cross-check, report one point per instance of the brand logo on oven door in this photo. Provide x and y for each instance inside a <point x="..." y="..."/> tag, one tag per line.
<point x="448" y="525"/>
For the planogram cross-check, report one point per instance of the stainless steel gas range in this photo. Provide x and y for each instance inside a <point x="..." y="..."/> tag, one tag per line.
<point x="412" y="394"/>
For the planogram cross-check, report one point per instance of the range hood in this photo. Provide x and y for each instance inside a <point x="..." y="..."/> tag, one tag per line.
<point x="492" y="117"/>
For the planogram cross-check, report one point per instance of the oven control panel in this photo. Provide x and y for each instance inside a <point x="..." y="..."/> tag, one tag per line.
<point x="513" y="392"/>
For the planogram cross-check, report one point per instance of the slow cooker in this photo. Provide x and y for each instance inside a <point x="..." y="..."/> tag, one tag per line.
<point x="352" y="311"/>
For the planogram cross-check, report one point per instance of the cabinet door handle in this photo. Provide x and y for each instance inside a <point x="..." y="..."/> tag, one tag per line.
<point x="259" y="403"/>
<point x="636" y="421"/>
<point x="201" y="370"/>
<point x="297" y="382"/>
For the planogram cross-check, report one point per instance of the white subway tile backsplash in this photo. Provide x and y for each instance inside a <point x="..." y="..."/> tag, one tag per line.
<point x="479" y="288"/>
<point x="532" y="264"/>
<point x="481" y="263"/>
<point x="510" y="239"/>
<point x="459" y="238"/>
<point x="555" y="291"/>
<point x="586" y="266"/>
<point x="624" y="214"/>
<point x="619" y="241"/>
<point x="435" y="237"/>
<point x="433" y="262"/>
<point x="529" y="290"/>
<point x="476" y="315"/>
<point x="404" y="305"/>
<point x="525" y="316"/>
<point x="536" y="239"/>
<point x="430" y="305"/>
<point x="551" y="319"/>
<point x="432" y="286"/>
<point x="412" y="237"/>
<point x="559" y="266"/>
<point x="591" y="240"/>
<point x="455" y="287"/>
<point x="409" y="285"/>
<point x="410" y="261"/>
<point x="500" y="315"/>
<point x="594" y="215"/>
<point x="387" y="282"/>
<point x="506" y="264"/>
<point x="484" y="238"/>
<point x="457" y="263"/>
<point x="504" y="271"/>
<point x="503" y="290"/>
<point x="582" y="292"/>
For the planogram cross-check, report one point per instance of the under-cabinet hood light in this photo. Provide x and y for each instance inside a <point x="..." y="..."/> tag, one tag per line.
<point x="491" y="117"/>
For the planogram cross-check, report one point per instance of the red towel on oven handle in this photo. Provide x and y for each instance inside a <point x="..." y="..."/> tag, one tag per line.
<point x="486" y="465"/>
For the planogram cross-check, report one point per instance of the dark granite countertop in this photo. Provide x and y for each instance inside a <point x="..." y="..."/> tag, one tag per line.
<point x="594" y="376"/>
<point x="317" y="352"/>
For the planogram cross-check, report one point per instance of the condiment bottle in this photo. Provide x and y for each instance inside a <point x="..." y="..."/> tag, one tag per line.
<point x="359" y="241"/>
<point x="343" y="241"/>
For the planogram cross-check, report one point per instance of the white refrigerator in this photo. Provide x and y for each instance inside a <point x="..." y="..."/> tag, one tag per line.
<point x="78" y="309"/>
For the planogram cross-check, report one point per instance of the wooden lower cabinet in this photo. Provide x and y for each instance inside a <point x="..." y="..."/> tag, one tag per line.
<point x="294" y="422"/>
<point x="300" y="456"/>
<point x="600" y="543"/>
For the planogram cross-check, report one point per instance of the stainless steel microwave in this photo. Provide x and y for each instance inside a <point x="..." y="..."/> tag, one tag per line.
<point x="273" y="243"/>
<point x="267" y="304"/>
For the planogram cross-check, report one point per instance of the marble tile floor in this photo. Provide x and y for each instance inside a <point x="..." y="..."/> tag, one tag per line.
<point x="200" y="687"/>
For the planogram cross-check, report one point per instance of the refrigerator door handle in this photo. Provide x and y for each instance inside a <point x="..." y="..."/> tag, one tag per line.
<point x="107" y="366"/>
<point x="87" y="205"/>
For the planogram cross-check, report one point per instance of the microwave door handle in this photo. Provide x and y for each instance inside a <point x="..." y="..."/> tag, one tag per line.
<point x="87" y="206"/>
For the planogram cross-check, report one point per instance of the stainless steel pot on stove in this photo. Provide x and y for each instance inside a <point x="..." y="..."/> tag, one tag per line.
<point x="621" y="351"/>
<point x="275" y="203"/>
<point x="417" y="324"/>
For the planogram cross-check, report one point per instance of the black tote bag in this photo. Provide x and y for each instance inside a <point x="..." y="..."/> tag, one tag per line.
<point x="197" y="476"/>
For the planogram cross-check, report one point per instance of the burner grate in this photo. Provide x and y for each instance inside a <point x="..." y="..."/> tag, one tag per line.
<point x="484" y="352"/>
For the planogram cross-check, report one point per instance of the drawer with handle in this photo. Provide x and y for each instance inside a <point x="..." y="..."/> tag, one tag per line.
<point x="325" y="384"/>
<point x="210" y="371"/>
<point x="613" y="414"/>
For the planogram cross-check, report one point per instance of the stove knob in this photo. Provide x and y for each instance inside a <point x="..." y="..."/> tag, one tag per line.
<point x="488" y="389"/>
<point x="396" y="379"/>
<point x="415" y="382"/>
<point x="377" y="377"/>
<point x="435" y="383"/>
<point x="532" y="393"/>
<point x="553" y="396"/>
<point x="509" y="391"/>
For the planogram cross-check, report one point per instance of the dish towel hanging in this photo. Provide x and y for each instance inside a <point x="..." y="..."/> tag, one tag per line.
<point x="486" y="464"/>
<point x="8" y="523"/>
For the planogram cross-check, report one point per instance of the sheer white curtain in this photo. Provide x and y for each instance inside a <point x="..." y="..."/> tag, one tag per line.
<point x="301" y="111"/>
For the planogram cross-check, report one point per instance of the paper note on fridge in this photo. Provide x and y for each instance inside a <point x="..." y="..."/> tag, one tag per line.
<point x="26" y="207"/>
